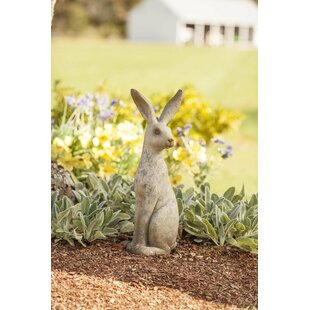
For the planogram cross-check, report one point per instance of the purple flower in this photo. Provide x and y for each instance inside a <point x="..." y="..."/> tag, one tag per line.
<point x="84" y="103"/>
<point x="114" y="102"/>
<point x="71" y="101"/>
<point x="156" y="108"/>
<point x="187" y="128"/>
<point x="102" y="102"/>
<point x="228" y="152"/>
<point x="202" y="143"/>
<point x="105" y="115"/>
<point x="179" y="131"/>
<point x="219" y="141"/>
<point x="89" y="96"/>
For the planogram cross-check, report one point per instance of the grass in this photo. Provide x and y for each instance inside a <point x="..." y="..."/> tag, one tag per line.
<point x="226" y="77"/>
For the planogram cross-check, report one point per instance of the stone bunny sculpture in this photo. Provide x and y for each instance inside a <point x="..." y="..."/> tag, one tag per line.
<point x="157" y="215"/>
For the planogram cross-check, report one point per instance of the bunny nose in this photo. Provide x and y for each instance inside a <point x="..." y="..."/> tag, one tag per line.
<point x="171" y="141"/>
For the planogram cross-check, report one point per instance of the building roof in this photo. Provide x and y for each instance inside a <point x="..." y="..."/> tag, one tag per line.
<point x="224" y="12"/>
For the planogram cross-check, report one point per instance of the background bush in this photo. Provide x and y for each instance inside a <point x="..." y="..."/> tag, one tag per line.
<point x="100" y="133"/>
<point x="107" y="17"/>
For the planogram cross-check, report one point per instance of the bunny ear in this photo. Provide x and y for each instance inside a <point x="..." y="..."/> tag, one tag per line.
<point x="171" y="107"/>
<point x="144" y="106"/>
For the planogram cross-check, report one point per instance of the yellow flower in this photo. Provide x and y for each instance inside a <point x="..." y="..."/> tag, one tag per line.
<point x="97" y="152"/>
<point x="106" y="168"/>
<point x="195" y="169"/>
<point x="68" y="140"/>
<point x="99" y="131"/>
<point x="95" y="141"/>
<point x="127" y="131"/>
<point x="175" y="179"/>
<point x="180" y="154"/>
<point x="56" y="151"/>
<point x="106" y="144"/>
<point x="58" y="142"/>
<point x="87" y="161"/>
<point x="85" y="139"/>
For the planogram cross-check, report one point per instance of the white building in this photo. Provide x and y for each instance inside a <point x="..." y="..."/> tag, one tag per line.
<point x="211" y="22"/>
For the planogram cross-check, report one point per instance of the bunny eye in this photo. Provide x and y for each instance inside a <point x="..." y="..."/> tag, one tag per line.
<point x="157" y="131"/>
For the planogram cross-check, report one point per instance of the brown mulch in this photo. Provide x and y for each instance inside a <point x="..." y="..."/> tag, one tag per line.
<point x="104" y="276"/>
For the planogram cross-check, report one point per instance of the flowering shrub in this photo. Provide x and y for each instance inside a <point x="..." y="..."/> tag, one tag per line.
<point x="103" y="134"/>
<point x="207" y="121"/>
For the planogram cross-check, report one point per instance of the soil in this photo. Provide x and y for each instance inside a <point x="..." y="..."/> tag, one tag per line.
<point x="105" y="276"/>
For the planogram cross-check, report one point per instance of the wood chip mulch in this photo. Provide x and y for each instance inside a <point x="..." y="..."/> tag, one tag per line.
<point x="105" y="276"/>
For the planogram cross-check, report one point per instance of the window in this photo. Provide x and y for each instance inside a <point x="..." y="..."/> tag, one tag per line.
<point x="251" y="34"/>
<point x="191" y="26"/>
<point x="236" y="33"/>
<point x="222" y="29"/>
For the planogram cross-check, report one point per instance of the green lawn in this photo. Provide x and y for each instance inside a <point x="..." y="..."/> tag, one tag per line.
<point x="228" y="77"/>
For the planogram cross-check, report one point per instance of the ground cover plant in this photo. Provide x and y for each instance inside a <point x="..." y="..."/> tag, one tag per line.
<point x="105" y="207"/>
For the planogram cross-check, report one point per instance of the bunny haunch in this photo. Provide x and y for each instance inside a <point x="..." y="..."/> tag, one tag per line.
<point x="157" y="215"/>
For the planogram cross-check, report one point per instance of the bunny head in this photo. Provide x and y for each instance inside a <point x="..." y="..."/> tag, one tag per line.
<point x="157" y="135"/>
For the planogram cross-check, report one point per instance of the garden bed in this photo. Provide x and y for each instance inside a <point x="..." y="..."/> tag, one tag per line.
<point x="105" y="276"/>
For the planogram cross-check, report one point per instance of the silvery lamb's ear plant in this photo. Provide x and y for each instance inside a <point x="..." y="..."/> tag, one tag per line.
<point x="86" y="221"/>
<point x="226" y="220"/>
<point x="229" y="219"/>
<point x="116" y="192"/>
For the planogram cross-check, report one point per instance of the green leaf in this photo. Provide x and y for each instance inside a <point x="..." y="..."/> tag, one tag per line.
<point x="94" y="225"/>
<point x="79" y="186"/>
<point x="53" y="199"/>
<point x="206" y="194"/>
<point x="236" y="198"/>
<point x="125" y="226"/>
<point x="242" y="193"/>
<point x="189" y="215"/>
<point x="85" y="205"/>
<point x="253" y="200"/>
<point x="248" y="244"/>
<point x="224" y="219"/>
<point x="108" y="231"/>
<point x="211" y="231"/>
<point x="195" y="233"/>
<point x="188" y="194"/>
<point x="228" y="228"/>
<point x="198" y="209"/>
<point x="228" y="205"/>
<point x="180" y="206"/>
<point x="92" y="208"/>
<point x="84" y="226"/>
<point x="93" y="180"/>
<point x="122" y="216"/>
<point x="98" y="235"/>
<point x="77" y="195"/>
<point x="229" y="193"/>
<point x="240" y="227"/>
<point x="62" y="215"/>
<point x="235" y="211"/>
<point x="108" y="214"/>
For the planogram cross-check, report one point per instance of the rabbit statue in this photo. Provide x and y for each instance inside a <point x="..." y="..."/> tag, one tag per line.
<point x="157" y="215"/>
